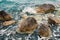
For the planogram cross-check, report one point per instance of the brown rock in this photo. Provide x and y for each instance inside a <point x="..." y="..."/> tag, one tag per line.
<point x="44" y="30"/>
<point x="27" y="25"/>
<point x="4" y="16"/>
<point x="54" y="20"/>
<point x="45" y="8"/>
<point x="1" y="18"/>
<point x="7" y="23"/>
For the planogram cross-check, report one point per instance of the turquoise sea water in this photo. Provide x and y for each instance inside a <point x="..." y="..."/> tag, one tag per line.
<point x="14" y="7"/>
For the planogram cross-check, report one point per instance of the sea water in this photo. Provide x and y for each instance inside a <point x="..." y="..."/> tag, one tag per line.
<point x="14" y="7"/>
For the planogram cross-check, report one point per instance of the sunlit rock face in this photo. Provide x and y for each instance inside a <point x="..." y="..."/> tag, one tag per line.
<point x="7" y="23"/>
<point x="27" y="25"/>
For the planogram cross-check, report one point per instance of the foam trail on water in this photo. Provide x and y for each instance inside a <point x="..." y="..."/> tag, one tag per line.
<point x="29" y="10"/>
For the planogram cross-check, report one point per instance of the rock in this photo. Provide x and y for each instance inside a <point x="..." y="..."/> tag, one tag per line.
<point x="44" y="30"/>
<point x="54" y="20"/>
<point x="27" y="25"/>
<point x="45" y="8"/>
<point x="7" y="23"/>
<point x="4" y="16"/>
<point x="1" y="18"/>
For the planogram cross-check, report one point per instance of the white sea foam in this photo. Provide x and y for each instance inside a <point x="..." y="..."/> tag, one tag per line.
<point x="29" y="9"/>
